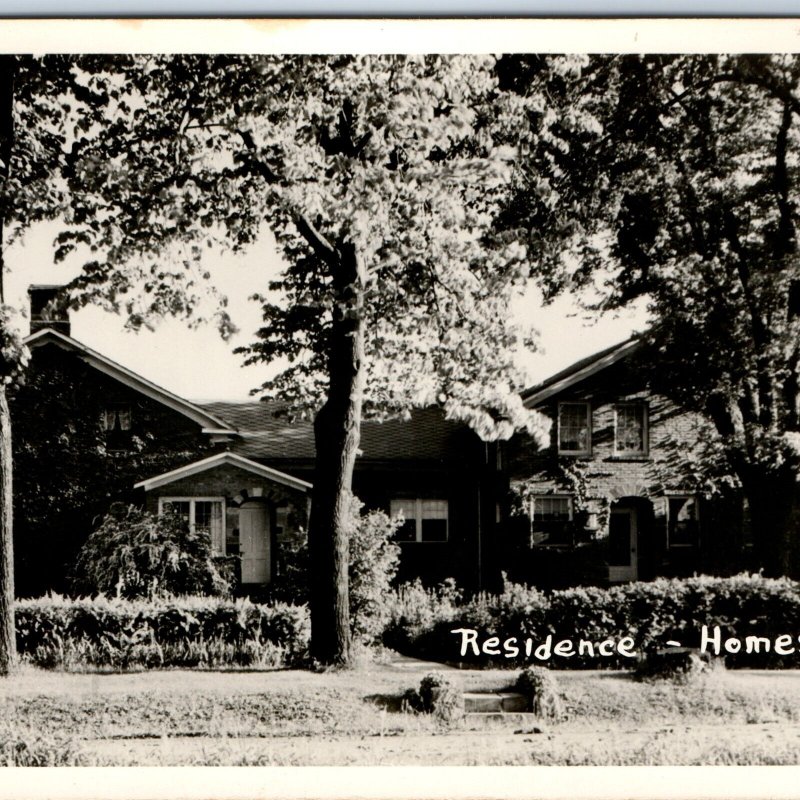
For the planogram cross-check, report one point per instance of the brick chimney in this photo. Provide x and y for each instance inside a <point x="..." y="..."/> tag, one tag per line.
<point x="47" y="309"/>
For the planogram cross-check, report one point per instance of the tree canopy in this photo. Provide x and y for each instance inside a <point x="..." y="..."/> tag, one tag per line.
<point x="381" y="178"/>
<point x="675" y="179"/>
<point x="405" y="158"/>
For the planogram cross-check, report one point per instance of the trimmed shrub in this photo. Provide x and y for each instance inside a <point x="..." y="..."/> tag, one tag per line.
<point x="135" y="554"/>
<point x="540" y="688"/>
<point x="651" y="614"/>
<point x="59" y="633"/>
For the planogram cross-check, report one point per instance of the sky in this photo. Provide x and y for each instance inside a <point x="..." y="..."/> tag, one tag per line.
<point x="198" y="365"/>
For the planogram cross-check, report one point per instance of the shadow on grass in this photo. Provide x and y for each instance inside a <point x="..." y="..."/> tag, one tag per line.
<point x="392" y="703"/>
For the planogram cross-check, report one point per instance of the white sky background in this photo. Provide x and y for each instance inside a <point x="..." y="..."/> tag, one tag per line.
<point x="198" y="365"/>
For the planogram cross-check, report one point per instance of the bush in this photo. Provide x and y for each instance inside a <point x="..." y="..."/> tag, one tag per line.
<point x="540" y="688"/>
<point x="374" y="559"/>
<point x="134" y="554"/>
<point x="441" y="696"/>
<point x="60" y="633"/>
<point x="651" y="614"/>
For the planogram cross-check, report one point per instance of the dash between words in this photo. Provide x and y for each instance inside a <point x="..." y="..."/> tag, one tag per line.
<point x="711" y="641"/>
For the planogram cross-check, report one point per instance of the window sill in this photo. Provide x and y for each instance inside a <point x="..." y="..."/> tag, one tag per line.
<point x="643" y="458"/>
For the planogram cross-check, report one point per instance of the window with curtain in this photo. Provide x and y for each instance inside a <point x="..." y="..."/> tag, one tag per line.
<point x="202" y="514"/>
<point x="426" y="520"/>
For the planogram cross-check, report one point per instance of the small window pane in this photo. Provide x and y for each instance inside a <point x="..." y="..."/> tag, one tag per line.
<point x="407" y="532"/>
<point x="179" y="507"/>
<point x="117" y="418"/>
<point x="682" y="521"/>
<point x="630" y="433"/>
<point x="425" y="520"/>
<point x="574" y="435"/>
<point x="434" y="509"/>
<point x="552" y="509"/>
<point x="434" y="530"/>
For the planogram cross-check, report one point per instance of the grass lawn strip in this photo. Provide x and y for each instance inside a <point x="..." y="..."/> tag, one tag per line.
<point x="295" y="717"/>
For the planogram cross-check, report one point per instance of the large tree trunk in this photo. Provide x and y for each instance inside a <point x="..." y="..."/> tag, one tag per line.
<point x="337" y="431"/>
<point x="773" y="520"/>
<point x="8" y="645"/>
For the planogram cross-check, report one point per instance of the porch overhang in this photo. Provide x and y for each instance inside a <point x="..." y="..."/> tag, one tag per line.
<point x="222" y="459"/>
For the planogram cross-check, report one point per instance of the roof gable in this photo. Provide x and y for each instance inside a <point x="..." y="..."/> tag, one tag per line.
<point x="218" y="460"/>
<point x="579" y="371"/>
<point x="209" y="423"/>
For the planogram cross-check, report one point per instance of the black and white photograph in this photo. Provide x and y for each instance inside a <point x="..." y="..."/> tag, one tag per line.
<point x="399" y="407"/>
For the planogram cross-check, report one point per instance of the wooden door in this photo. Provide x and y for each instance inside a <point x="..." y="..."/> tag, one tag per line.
<point x="623" y="560"/>
<point x="254" y="543"/>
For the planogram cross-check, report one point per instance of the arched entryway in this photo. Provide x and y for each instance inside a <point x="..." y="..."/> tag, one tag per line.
<point x="255" y="542"/>
<point x="629" y="521"/>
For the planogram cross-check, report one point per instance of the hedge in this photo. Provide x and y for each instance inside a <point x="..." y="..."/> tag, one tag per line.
<point x="650" y="613"/>
<point x="62" y="633"/>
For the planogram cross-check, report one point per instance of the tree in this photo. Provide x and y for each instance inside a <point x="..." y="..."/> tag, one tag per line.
<point x="381" y="178"/>
<point x="47" y="104"/>
<point x="675" y="179"/>
<point x="40" y="100"/>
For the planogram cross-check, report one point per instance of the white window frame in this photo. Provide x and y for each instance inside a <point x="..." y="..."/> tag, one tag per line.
<point x="567" y="497"/>
<point x="645" y="452"/>
<point x="588" y="406"/>
<point x="418" y="501"/>
<point x="217" y="547"/>
<point x="670" y="545"/>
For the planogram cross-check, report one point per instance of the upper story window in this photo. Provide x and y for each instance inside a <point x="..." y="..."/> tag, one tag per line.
<point x="682" y="521"/>
<point x="117" y="418"/>
<point x="575" y="429"/>
<point x="425" y="520"/>
<point x="630" y="430"/>
<point x="116" y="422"/>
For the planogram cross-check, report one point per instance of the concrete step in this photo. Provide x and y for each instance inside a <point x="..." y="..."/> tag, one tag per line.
<point x="494" y="703"/>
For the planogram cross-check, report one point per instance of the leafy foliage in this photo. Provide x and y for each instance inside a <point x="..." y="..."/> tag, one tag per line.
<point x="59" y="633"/>
<point x="671" y="179"/>
<point x="406" y="159"/>
<point x="540" y="687"/>
<point x="650" y="613"/>
<point x="135" y="554"/>
<point x="374" y="559"/>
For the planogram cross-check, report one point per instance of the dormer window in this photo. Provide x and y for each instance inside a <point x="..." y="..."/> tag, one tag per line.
<point x="574" y="429"/>
<point x="630" y="430"/>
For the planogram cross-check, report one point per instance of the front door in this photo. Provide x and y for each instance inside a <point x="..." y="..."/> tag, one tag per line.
<point x="254" y="543"/>
<point x="623" y="563"/>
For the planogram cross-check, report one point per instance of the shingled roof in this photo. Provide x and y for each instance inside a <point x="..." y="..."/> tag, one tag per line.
<point x="263" y="435"/>
<point x="579" y="371"/>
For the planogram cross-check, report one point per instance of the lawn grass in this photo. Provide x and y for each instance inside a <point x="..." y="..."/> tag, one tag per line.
<point x="297" y="717"/>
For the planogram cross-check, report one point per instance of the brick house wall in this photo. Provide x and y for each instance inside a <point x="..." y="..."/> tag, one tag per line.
<point x="604" y="479"/>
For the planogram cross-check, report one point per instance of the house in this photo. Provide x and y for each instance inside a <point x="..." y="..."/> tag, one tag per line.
<point x="236" y="469"/>
<point x="608" y="501"/>
<point x="614" y="497"/>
